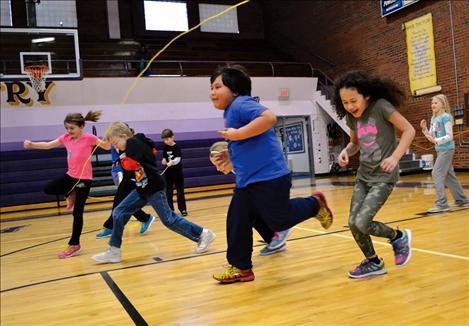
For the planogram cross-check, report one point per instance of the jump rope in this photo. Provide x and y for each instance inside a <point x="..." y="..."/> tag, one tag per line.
<point x="214" y="153"/>
<point x="134" y="84"/>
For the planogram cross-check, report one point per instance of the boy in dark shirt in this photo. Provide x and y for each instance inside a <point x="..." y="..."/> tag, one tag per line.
<point x="137" y="156"/>
<point x="173" y="175"/>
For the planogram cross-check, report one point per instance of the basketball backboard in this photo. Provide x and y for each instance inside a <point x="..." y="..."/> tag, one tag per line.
<point x="56" y="48"/>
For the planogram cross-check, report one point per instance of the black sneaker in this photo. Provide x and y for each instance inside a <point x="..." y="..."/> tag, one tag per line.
<point x="184" y="213"/>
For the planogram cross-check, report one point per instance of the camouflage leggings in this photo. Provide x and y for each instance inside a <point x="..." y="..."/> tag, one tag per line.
<point x="367" y="199"/>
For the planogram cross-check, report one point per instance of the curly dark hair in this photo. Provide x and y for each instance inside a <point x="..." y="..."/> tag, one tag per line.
<point x="367" y="85"/>
<point x="235" y="77"/>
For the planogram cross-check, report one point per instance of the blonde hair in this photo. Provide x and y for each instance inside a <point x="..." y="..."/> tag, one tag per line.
<point x="78" y="119"/>
<point x="444" y="100"/>
<point x="117" y="129"/>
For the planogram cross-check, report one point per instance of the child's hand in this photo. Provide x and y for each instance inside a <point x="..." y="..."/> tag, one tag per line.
<point x="423" y="124"/>
<point x="163" y="162"/>
<point x="222" y="162"/>
<point x="342" y="159"/>
<point x="27" y="144"/>
<point x="169" y="163"/>
<point x="229" y="133"/>
<point x="389" y="164"/>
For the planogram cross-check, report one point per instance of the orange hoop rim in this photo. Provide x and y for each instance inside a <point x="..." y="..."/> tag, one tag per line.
<point x="37" y="70"/>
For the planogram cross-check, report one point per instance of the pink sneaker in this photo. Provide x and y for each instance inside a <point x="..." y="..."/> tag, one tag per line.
<point x="71" y="251"/>
<point x="71" y="200"/>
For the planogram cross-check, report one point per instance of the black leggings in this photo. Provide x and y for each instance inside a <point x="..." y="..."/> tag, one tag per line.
<point x="124" y="188"/>
<point x="62" y="186"/>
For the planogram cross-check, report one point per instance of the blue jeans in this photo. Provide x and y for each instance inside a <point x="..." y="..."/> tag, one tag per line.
<point x="133" y="202"/>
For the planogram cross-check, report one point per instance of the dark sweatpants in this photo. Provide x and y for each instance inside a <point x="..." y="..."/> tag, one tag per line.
<point x="266" y="206"/>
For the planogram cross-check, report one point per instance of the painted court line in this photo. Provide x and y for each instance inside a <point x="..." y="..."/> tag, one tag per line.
<point x="386" y="244"/>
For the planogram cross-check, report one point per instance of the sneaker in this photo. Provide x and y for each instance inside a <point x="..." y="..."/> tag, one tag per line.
<point x="146" y="226"/>
<point x="267" y="251"/>
<point x="402" y="248"/>
<point x="206" y="238"/>
<point x="455" y="204"/>
<point x="368" y="268"/>
<point x="184" y="213"/>
<point x="435" y="209"/>
<point x="279" y="239"/>
<point x="234" y="274"/>
<point x="324" y="214"/>
<point x="71" y="200"/>
<point x="111" y="255"/>
<point x="104" y="233"/>
<point x="71" y="251"/>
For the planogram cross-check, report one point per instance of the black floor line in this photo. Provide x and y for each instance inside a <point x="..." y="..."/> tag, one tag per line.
<point x="445" y="212"/>
<point x="96" y="230"/>
<point x="158" y="260"/>
<point x="124" y="301"/>
<point x="322" y="183"/>
<point x="25" y="218"/>
<point x="43" y="243"/>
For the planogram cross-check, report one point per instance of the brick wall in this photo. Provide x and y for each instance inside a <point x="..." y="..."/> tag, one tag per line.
<point x="353" y="35"/>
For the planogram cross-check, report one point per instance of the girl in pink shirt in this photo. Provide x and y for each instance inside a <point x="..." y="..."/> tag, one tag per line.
<point x="75" y="185"/>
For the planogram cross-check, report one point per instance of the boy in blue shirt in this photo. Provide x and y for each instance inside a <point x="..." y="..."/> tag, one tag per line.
<point x="261" y="198"/>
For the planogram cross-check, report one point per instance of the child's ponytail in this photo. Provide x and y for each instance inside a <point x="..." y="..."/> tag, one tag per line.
<point x="78" y="120"/>
<point x="93" y="116"/>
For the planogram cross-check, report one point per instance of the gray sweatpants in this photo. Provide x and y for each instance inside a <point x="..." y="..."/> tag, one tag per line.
<point x="367" y="199"/>
<point x="443" y="174"/>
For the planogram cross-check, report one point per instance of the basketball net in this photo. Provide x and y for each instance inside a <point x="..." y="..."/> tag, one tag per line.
<point x="37" y="75"/>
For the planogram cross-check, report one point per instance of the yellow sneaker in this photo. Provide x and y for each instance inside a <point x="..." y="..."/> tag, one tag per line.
<point x="234" y="274"/>
<point x="324" y="214"/>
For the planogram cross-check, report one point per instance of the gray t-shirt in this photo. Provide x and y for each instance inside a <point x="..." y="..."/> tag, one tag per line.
<point x="377" y="140"/>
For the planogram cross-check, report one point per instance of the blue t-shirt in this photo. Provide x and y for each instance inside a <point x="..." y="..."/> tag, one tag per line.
<point x="438" y="130"/>
<point x="258" y="158"/>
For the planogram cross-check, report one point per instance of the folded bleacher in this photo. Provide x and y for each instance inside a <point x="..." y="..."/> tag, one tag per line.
<point x="25" y="172"/>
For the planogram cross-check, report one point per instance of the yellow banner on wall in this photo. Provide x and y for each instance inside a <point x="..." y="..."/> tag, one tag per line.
<point x="420" y="53"/>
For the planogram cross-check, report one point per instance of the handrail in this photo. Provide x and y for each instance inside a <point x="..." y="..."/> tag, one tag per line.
<point x="126" y="64"/>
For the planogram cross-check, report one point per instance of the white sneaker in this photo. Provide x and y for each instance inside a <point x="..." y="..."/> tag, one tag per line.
<point x="206" y="238"/>
<point x="454" y="205"/>
<point x="111" y="255"/>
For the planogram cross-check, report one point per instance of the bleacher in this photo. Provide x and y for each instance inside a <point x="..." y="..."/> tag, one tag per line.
<point x="24" y="173"/>
<point x="184" y="57"/>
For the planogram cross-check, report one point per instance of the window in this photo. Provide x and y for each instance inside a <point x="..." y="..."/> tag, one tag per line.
<point x="226" y="23"/>
<point x="56" y="13"/>
<point x="5" y="13"/>
<point x="165" y="16"/>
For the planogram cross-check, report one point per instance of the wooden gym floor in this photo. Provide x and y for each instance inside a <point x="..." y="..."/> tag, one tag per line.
<point x="162" y="282"/>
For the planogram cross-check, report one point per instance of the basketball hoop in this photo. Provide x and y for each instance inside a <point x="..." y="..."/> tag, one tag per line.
<point x="37" y="74"/>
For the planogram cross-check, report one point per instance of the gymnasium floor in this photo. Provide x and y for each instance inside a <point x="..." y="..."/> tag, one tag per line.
<point x="162" y="282"/>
